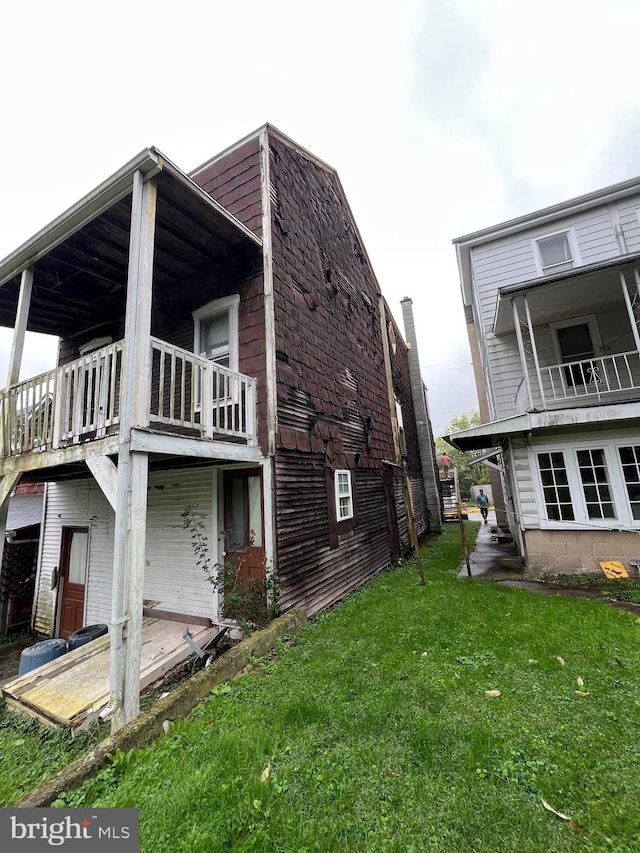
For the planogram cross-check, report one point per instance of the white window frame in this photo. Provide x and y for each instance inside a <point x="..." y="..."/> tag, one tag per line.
<point x="227" y="305"/>
<point x="340" y="494"/>
<point x="572" y="241"/>
<point x="587" y="319"/>
<point x="619" y="496"/>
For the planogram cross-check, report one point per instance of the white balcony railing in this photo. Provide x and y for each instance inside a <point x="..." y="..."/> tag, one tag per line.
<point x="193" y="392"/>
<point x="593" y="377"/>
<point x="80" y="401"/>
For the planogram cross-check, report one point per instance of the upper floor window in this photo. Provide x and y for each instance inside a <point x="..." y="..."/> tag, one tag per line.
<point x="556" y="252"/>
<point x="216" y="331"/>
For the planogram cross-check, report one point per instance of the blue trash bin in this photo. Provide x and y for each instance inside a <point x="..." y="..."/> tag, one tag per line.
<point x="40" y="653"/>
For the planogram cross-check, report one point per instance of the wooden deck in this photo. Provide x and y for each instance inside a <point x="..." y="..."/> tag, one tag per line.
<point x="71" y="691"/>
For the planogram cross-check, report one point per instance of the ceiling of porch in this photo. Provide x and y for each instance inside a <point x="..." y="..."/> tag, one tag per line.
<point x="586" y="290"/>
<point x="81" y="260"/>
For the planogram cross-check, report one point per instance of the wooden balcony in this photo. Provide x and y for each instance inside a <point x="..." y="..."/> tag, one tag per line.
<point x="80" y="401"/>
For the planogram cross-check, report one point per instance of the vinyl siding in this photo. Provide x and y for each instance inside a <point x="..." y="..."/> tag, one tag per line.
<point x="510" y="260"/>
<point x="171" y="574"/>
<point x="522" y="460"/>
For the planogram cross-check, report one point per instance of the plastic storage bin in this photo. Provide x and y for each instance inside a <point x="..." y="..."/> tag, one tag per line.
<point x="86" y="634"/>
<point x="43" y="652"/>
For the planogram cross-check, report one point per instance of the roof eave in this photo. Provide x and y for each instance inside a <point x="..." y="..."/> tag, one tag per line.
<point x="98" y="200"/>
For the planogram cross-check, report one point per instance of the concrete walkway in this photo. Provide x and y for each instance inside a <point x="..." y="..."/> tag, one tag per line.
<point x="490" y="560"/>
<point x="500" y="562"/>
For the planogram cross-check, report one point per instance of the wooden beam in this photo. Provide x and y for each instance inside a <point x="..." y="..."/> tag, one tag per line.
<point x="106" y="476"/>
<point x="175" y="445"/>
<point x="139" y="477"/>
<point x="63" y="456"/>
<point x="7" y="485"/>
<point x="20" y="328"/>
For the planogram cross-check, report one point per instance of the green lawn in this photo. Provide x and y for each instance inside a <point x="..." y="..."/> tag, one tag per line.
<point x="373" y="731"/>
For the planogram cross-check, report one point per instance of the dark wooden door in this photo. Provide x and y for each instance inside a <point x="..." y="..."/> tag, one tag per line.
<point x="73" y="577"/>
<point x="243" y="522"/>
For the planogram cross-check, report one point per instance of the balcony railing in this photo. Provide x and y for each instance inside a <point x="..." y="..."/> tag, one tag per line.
<point x="192" y="392"/>
<point x="592" y="378"/>
<point x="80" y="401"/>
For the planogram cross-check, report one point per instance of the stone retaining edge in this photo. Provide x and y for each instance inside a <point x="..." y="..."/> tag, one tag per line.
<point x="149" y="724"/>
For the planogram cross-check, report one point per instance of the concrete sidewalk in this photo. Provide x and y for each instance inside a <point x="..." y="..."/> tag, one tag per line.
<point x="500" y="562"/>
<point x="490" y="560"/>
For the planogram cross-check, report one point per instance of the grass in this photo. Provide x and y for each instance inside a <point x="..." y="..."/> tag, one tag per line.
<point x="373" y="731"/>
<point x="620" y="589"/>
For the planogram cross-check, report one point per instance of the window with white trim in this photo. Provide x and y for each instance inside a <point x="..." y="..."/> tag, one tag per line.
<point x="556" y="252"/>
<point x="593" y="484"/>
<point x="344" y="495"/>
<point x="216" y="331"/>
<point x="555" y="486"/>
<point x="630" y="462"/>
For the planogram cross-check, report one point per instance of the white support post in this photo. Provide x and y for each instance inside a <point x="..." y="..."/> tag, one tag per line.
<point x="139" y="470"/>
<point x="142" y="339"/>
<point x="534" y="350"/>
<point x="134" y="392"/>
<point x="20" y="328"/>
<point x="207" y="379"/>
<point x="523" y="355"/>
<point x="627" y="302"/>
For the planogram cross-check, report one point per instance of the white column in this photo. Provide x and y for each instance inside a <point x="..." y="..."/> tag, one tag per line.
<point x="20" y="328"/>
<point x="129" y="544"/>
<point x="627" y="302"/>
<point x="523" y="356"/>
<point x="534" y="349"/>
<point x="139" y="471"/>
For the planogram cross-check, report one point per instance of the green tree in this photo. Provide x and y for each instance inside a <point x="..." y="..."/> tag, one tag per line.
<point x="468" y="475"/>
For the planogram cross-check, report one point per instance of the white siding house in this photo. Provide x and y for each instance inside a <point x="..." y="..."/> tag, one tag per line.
<point x="552" y="301"/>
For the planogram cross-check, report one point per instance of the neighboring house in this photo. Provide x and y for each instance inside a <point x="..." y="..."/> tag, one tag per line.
<point x="20" y="557"/>
<point x="224" y="345"/>
<point x="552" y="301"/>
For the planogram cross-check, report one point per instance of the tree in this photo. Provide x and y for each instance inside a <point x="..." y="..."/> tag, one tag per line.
<point x="468" y="475"/>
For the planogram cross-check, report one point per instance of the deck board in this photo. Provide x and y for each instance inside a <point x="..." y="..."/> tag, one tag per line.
<point x="71" y="690"/>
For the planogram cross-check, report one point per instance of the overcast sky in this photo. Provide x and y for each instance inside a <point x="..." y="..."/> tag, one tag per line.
<point x="440" y="116"/>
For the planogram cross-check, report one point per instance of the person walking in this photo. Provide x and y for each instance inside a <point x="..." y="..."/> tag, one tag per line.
<point x="446" y="461"/>
<point x="483" y="503"/>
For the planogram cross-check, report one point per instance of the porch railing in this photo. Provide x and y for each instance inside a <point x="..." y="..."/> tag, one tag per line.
<point x="193" y="392"/>
<point x="592" y="377"/>
<point x="80" y="400"/>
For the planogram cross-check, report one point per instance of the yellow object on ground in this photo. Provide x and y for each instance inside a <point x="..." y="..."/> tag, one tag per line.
<point x="614" y="569"/>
